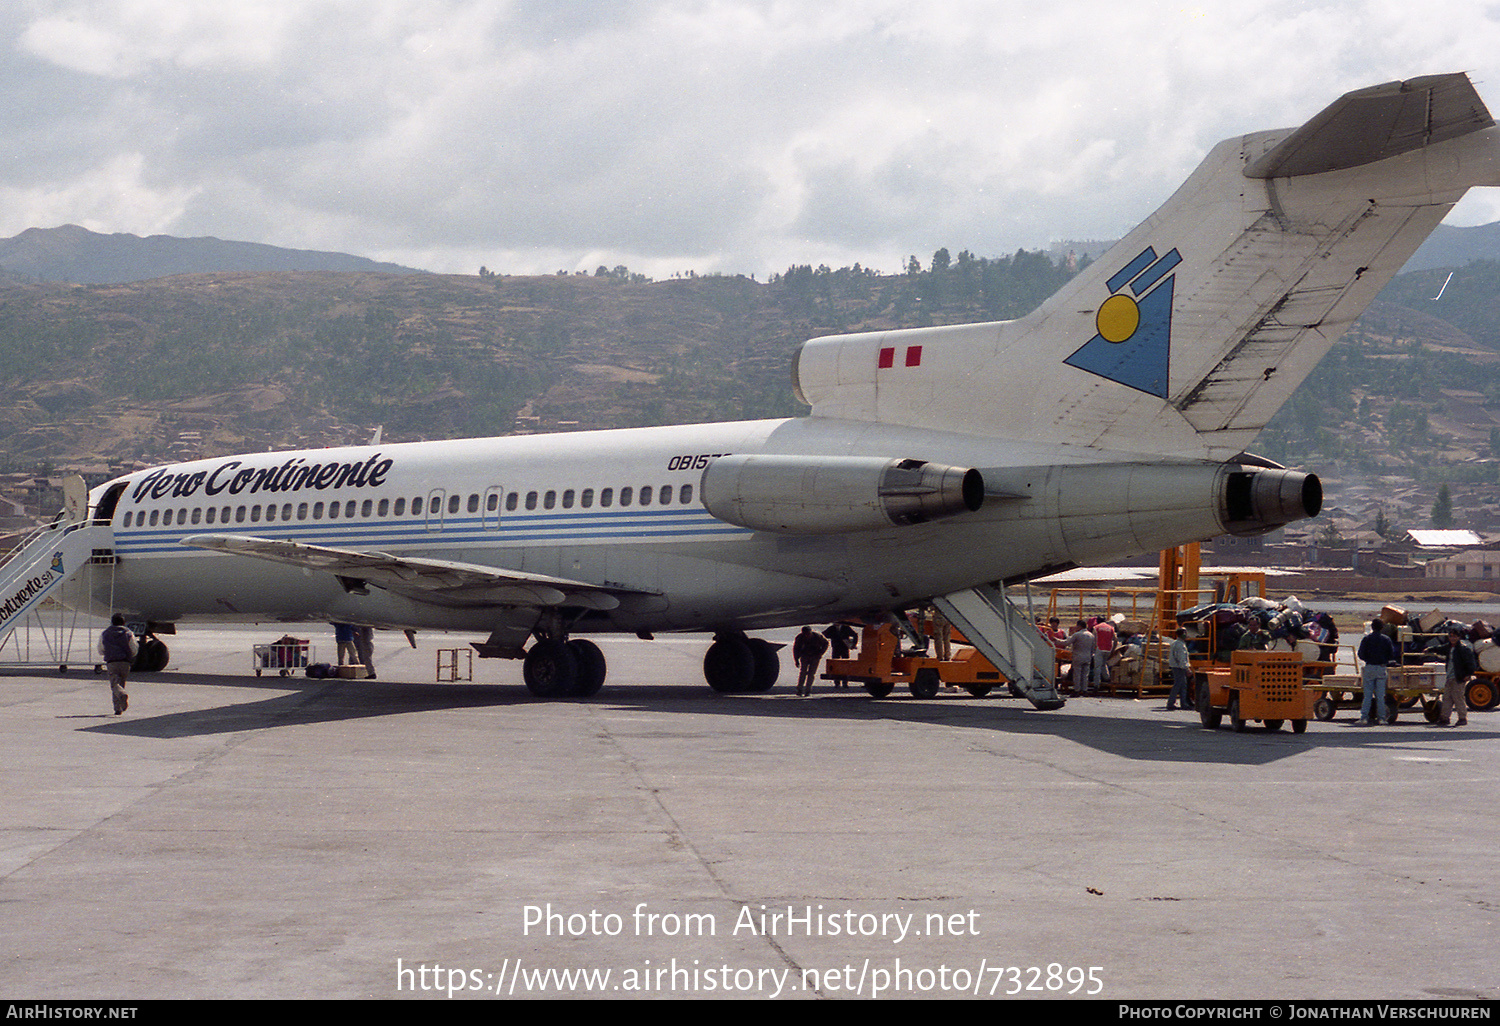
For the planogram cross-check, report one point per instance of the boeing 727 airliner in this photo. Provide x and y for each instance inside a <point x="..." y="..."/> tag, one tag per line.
<point x="936" y="463"/>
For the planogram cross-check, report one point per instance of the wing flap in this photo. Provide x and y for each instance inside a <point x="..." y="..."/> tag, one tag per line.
<point x="443" y="582"/>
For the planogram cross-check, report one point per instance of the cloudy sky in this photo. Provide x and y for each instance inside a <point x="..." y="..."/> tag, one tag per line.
<point x="671" y="135"/>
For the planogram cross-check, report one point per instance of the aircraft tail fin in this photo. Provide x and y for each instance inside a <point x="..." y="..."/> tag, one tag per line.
<point x="1187" y="336"/>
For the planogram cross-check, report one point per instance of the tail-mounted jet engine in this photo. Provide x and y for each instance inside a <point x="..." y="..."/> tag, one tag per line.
<point x="833" y="494"/>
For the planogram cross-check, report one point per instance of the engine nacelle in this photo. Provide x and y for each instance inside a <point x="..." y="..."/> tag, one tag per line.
<point x="1254" y="501"/>
<point x="833" y="494"/>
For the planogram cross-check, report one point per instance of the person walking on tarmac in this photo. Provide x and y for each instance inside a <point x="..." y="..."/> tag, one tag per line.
<point x="117" y="646"/>
<point x="807" y="650"/>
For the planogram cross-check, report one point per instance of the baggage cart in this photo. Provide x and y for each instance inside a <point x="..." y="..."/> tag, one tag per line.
<point x="283" y="655"/>
<point x="1405" y="687"/>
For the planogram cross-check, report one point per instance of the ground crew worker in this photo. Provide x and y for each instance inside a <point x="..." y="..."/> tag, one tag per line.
<point x="1377" y="652"/>
<point x="807" y="650"/>
<point x="1182" y="672"/>
<point x="841" y="638"/>
<point x="1462" y="662"/>
<point x="117" y="646"/>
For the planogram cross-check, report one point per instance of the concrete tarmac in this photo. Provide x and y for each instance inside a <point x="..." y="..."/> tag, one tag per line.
<point x="240" y="837"/>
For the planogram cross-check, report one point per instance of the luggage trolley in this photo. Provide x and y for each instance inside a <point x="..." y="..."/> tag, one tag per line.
<point x="283" y="655"/>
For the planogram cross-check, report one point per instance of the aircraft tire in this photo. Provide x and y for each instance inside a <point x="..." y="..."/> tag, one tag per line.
<point x="591" y="668"/>
<point x="550" y="670"/>
<point x="729" y="664"/>
<point x="152" y="657"/>
<point x="767" y="664"/>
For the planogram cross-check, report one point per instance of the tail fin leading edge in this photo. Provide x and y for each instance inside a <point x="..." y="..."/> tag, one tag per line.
<point x="1189" y="334"/>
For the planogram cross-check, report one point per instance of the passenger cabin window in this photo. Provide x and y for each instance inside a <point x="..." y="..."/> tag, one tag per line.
<point x="512" y="501"/>
<point x="474" y="502"/>
<point x="607" y="497"/>
<point x="646" y="496"/>
<point x="586" y="500"/>
<point x="453" y="501"/>
<point x="400" y="508"/>
<point x="625" y="496"/>
<point x="685" y="494"/>
<point x="416" y="506"/>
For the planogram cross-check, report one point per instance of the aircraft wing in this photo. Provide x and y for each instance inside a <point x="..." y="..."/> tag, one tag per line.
<point x="438" y="581"/>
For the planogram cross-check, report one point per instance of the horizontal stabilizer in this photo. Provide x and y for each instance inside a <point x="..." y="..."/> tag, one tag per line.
<point x="438" y="581"/>
<point x="1375" y="123"/>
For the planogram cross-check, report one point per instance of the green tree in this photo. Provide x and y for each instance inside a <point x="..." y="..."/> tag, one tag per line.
<point x="1442" y="509"/>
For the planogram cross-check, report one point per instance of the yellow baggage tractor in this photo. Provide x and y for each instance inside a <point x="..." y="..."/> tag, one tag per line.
<point x="1264" y="686"/>
<point x="880" y="665"/>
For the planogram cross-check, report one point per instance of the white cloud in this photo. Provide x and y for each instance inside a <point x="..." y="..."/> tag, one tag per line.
<point x="104" y="197"/>
<point x="736" y="135"/>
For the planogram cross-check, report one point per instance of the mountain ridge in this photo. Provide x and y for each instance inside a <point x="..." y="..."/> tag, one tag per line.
<point x="76" y="255"/>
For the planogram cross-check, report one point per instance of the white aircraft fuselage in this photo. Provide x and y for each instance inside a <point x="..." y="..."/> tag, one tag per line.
<point x="625" y="509"/>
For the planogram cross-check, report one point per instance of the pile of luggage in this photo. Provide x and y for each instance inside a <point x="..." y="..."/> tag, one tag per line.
<point x="1288" y="626"/>
<point x="1427" y="640"/>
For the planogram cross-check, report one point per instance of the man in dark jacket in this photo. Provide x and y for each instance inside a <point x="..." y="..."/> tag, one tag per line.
<point x="1377" y="652"/>
<point x="807" y="650"/>
<point x="841" y="638"/>
<point x="1462" y="662"/>
<point x="117" y="646"/>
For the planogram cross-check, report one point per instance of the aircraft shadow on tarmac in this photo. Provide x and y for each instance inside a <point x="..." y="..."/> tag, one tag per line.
<point x="1157" y="736"/>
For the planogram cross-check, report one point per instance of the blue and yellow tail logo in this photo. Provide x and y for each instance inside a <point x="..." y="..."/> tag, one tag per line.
<point x="1134" y="341"/>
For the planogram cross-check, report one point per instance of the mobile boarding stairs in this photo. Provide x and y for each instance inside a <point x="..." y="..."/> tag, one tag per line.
<point x="60" y="561"/>
<point x="1008" y="638"/>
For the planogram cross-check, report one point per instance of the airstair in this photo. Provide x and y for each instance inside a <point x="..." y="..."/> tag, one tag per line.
<point x="1007" y="637"/>
<point x="60" y="561"/>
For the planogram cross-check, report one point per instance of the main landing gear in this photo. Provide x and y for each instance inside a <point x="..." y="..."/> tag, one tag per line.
<point x="564" y="669"/>
<point x="561" y="668"/>
<point x="739" y="664"/>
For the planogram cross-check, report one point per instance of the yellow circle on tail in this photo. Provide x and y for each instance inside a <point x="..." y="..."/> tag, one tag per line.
<point x="1118" y="318"/>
